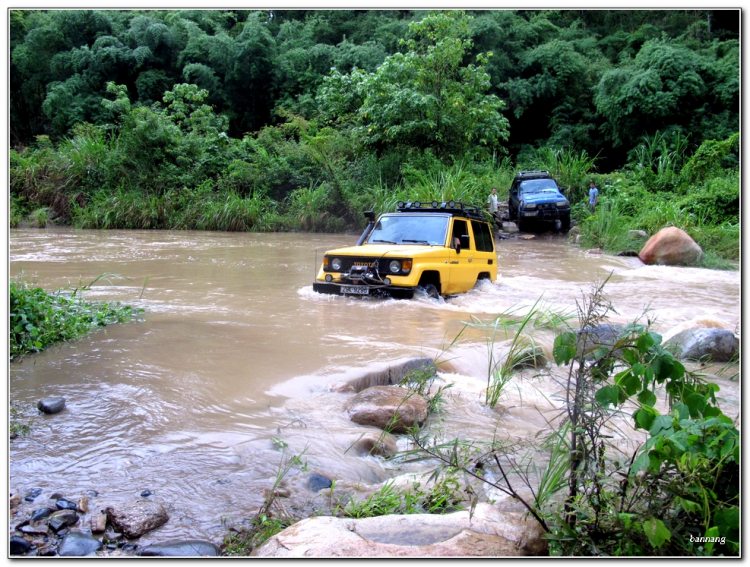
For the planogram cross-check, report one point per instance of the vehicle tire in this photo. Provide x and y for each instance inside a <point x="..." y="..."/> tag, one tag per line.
<point x="565" y="222"/>
<point x="431" y="291"/>
<point x="522" y="223"/>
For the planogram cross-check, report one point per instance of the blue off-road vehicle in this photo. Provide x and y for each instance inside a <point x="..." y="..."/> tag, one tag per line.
<point x="534" y="196"/>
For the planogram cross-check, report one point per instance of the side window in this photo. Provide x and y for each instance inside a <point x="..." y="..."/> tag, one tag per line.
<point x="482" y="237"/>
<point x="460" y="232"/>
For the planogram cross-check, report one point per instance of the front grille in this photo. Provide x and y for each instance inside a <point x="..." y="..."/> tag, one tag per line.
<point x="372" y="263"/>
<point x="381" y="264"/>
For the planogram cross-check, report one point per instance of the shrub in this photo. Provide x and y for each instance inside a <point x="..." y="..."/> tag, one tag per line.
<point x="39" y="319"/>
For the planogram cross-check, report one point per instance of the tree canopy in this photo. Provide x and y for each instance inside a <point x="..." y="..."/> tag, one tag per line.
<point x="515" y="80"/>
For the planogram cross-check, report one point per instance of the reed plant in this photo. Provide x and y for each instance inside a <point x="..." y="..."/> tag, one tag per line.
<point x="522" y="351"/>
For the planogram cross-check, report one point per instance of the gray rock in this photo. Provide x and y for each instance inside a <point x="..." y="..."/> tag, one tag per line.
<point x="62" y="519"/>
<point x="509" y="227"/>
<point x="18" y="545"/>
<point x="388" y="373"/>
<point x="187" y="548"/>
<point x="40" y="514"/>
<point x="638" y="234"/>
<point x="78" y="545"/>
<point x="133" y="519"/>
<point x="32" y="494"/>
<point x="715" y="345"/>
<point x="529" y="358"/>
<point x="64" y="504"/>
<point x="51" y="405"/>
<point x="319" y="482"/>
<point x="590" y="338"/>
<point x="35" y="529"/>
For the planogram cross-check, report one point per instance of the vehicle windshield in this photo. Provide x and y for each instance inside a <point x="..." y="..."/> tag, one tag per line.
<point x="538" y="186"/>
<point x="410" y="229"/>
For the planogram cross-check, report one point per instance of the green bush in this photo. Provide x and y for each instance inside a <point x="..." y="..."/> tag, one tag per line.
<point x="39" y="319"/>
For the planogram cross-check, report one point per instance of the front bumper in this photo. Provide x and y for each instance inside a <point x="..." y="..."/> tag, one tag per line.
<point x="358" y="290"/>
<point x="551" y="214"/>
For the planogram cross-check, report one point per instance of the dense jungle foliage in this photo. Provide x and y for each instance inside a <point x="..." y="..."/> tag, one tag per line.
<point x="299" y="120"/>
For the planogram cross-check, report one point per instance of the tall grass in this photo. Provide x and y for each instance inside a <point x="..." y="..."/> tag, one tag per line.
<point x="568" y="167"/>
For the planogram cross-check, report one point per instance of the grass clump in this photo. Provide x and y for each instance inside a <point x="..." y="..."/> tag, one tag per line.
<point x="39" y="319"/>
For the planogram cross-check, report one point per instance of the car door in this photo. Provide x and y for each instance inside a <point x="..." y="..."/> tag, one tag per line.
<point x="463" y="276"/>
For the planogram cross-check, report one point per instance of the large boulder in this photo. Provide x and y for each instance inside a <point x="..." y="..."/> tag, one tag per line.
<point x="487" y="533"/>
<point x="387" y="407"/>
<point x="671" y="246"/>
<point x="133" y="519"/>
<point x="715" y="345"/>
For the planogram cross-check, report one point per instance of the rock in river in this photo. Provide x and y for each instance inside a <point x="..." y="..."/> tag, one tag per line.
<point x="187" y="548"/>
<point x="319" y="482"/>
<point x="64" y="504"/>
<point x="18" y="545"/>
<point x="593" y="337"/>
<point x="671" y="246"/>
<point x="389" y="407"/>
<point x="716" y="345"/>
<point x="62" y="519"/>
<point x="78" y="545"/>
<point x="54" y="404"/>
<point x="133" y="519"/>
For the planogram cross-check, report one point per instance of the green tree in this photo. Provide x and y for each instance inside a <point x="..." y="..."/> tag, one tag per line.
<point x="426" y="98"/>
<point x="659" y="90"/>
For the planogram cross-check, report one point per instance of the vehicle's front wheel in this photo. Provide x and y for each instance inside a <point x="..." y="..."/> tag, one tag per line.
<point x="565" y="222"/>
<point x="522" y="223"/>
<point x="431" y="291"/>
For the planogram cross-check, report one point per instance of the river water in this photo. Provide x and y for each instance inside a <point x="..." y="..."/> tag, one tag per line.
<point x="227" y="370"/>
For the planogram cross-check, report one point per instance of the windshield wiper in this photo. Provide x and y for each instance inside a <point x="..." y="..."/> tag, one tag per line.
<point x="417" y="241"/>
<point x="385" y="241"/>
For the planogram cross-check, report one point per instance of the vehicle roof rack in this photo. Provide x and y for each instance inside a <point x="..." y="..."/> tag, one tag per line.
<point x="535" y="174"/>
<point x="454" y="208"/>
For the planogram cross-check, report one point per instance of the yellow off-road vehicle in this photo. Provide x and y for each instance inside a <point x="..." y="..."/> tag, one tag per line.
<point x="441" y="248"/>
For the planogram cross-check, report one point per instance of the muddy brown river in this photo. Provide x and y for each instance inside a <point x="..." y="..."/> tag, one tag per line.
<point x="228" y="368"/>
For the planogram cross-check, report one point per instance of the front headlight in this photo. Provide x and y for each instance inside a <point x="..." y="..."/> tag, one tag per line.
<point x="562" y="204"/>
<point x="528" y="206"/>
<point x="395" y="266"/>
<point x="336" y="264"/>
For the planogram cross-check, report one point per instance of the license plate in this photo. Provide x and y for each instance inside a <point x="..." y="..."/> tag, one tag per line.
<point x="356" y="290"/>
